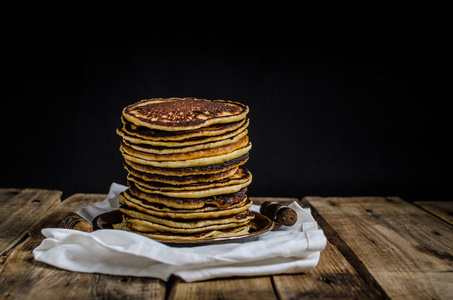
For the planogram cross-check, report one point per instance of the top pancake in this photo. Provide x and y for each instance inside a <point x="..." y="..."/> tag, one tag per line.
<point x="179" y="114"/>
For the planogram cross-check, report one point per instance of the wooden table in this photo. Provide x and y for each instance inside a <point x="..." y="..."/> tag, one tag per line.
<point x="378" y="248"/>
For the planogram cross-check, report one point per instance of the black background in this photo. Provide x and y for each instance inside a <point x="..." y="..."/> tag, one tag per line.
<point x="331" y="115"/>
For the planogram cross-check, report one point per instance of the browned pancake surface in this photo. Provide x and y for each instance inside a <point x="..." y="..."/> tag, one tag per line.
<point x="241" y="175"/>
<point x="153" y="134"/>
<point x="223" y="201"/>
<point x="202" y="170"/>
<point x="180" y="180"/>
<point x="188" y="113"/>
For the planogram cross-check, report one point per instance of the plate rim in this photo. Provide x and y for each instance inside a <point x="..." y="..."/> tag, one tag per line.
<point x="269" y="225"/>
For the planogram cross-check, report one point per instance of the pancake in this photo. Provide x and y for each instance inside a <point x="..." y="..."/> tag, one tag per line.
<point x="209" y="234"/>
<point x="180" y="180"/>
<point x="202" y="193"/>
<point x="161" y="135"/>
<point x="226" y="149"/>
<point x="178" y="114"/>
<point x="223" y="201"/>
<point x="201" y="170"/>
<point x="242" y="175"/>
<point x="186" y="220"/>
<point x="197" y="162"/>
<point x="157" y="208"/>
<point x="202" y="221"/>
<point x="150" y="227"/>
<point x="183" y="143"/>
<point x="166" y="150"/>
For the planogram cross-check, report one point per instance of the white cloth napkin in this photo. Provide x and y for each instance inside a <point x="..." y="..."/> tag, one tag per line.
<point x="285" y="249"/>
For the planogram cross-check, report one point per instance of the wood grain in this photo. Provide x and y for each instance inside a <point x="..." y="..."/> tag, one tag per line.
<point x="333" y="278"/>
<point x="20" y="210"/>
<point x="23" y="277"/>
<point x="229" y="288"/>
<point x="404" y="250"/>
<point x="441" y="209"/>
<point x="6" y="194"/>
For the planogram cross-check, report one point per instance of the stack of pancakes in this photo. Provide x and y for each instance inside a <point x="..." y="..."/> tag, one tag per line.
<point x="186" y="179"/>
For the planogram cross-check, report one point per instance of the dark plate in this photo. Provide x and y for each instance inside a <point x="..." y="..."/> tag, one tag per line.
<point x="260" y="225"/>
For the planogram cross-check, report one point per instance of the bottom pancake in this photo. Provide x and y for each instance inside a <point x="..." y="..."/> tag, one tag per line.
<point x="209" y="234"/>
<point x="150" y="227"/>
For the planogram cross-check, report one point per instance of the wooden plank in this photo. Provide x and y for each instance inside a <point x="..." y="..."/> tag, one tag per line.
<point x="20" y="210"/>
<point x="333" y="278"/>
<point x="7" y="193"/>
<point x="76" y="201"/>
<point x="406" y="251"/>
<point x="25" y="278"/>
<point x="441" y="209"/>
<point x="227" y="288"/>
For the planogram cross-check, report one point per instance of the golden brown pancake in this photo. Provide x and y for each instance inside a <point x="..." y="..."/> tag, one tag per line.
<point x="150" y="227"/>
<point x="182" y="143"/>
<point x="171" y="150"/>
<point x="187" y="218"/>
<point x="157" y="207"/>
<point x="202" y="193"/>
<point x="178" y="114"/>
<point x="223" y="201"/>
<point x="161" y="135"/>
<point x="242" y="175"/>
<point x="202" y="170"/>
<point x="180" y="180"/>
<point x="197" y="162"/>
<point x="226" y="149"/>
<point x="209" y="234"/>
